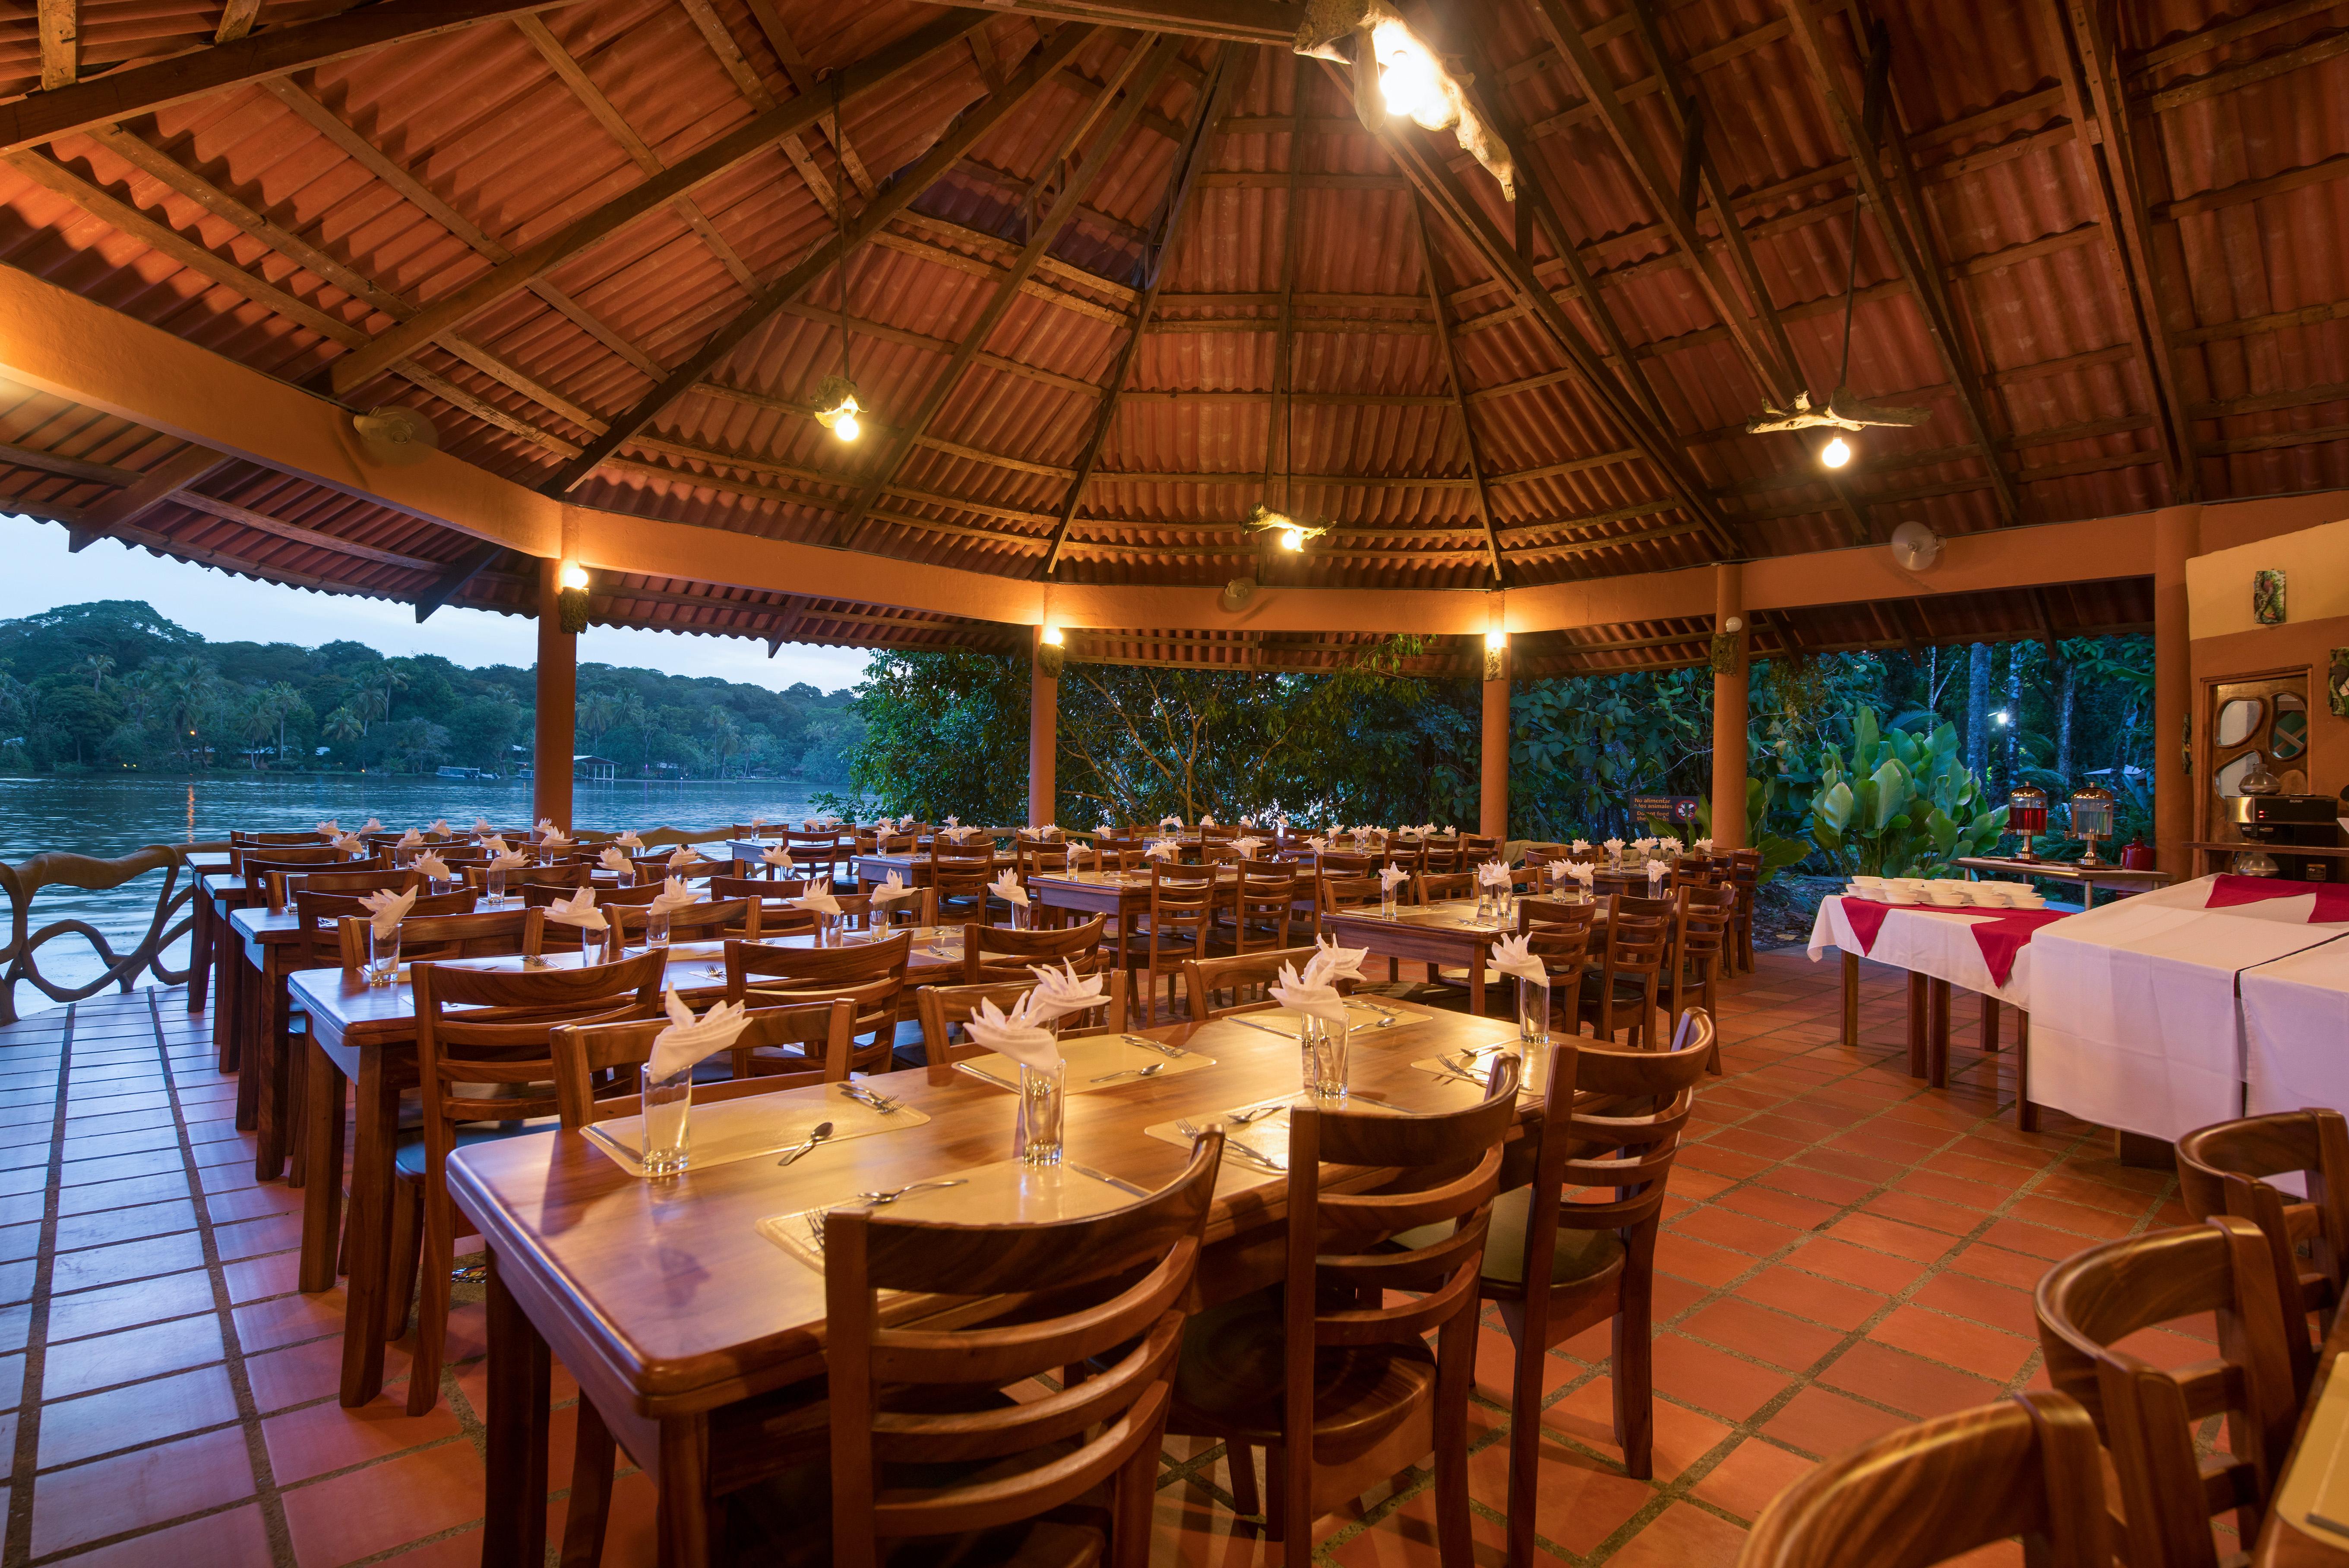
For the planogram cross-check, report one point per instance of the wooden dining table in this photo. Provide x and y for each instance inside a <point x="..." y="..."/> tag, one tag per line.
<point x="364" y="1036"/>
<point x="671" y="1307"/>
<point x="2285" y="1542"/>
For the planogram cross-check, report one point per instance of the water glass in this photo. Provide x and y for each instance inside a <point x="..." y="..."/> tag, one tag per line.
<point x="383" y="955"/>
<point x="1043" y="1101"/>
<point x="1324" y="1052"/>
<point x="655" y="928"/>
<point x="1388" y="904"/>
<point x="1483" y="902"/>
<point x="495" y="878"/>
<point x="626" y="875"/>
<point x="668" y="1112"/>
<point x="1533" y="1011"/>
<point x="1023" y="917"/>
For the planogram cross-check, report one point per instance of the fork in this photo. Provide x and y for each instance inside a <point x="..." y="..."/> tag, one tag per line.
<point x="865" y="1096"/>
<point x="1232" y="1145"/>
<point x="1161" y="1046"/>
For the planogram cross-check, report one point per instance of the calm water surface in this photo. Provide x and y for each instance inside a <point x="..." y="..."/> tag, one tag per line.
<point x="106" y="817"/>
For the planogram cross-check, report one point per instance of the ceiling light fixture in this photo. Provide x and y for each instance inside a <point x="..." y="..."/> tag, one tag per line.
<point x="1835" y="453"/>
<point x="835" y="401"/>
<point x="1410" y="79"/>
<point x="573" y="575"/>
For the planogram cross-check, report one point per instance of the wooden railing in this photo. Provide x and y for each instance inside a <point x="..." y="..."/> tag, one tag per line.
<point x="172" y="919"/>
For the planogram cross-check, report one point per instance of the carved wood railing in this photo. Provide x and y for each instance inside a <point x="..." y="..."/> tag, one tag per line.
<point x="172" y="919"/>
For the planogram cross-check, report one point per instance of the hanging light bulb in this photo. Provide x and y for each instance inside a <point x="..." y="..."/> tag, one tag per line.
<point x="1835" y="453"/>
<point x="1293" y="539"/>
<point x="836" y="408"/>
<point x="1409" y="77"/>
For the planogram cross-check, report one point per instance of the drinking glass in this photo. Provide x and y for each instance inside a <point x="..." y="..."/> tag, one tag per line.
<point x="655" y="928"/>
<point x="1324" y="1052"/>
<point x="1483" y="902"/>
<point x="1533" y="1011"/>
<point x="1043" y="1097"/>
<point x="1021" y="917"/>
<point x="495" y="877"/>
<point x="383" y="955"/>
<point x="668" y="1114"/>
<point x="626" y="875"/>
<point x="1389" y="899"/>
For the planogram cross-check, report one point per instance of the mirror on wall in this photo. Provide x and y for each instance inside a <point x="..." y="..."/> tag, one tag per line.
<point x="2239" y="720"/>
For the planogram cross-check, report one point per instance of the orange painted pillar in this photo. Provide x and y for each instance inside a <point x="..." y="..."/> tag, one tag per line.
<point x="1729" y="710"/>
<point x="1043" y="732"/>
<point x="1493" y="776"/>
<point x="2177" y="535"/>
<point x="557" y="704"/>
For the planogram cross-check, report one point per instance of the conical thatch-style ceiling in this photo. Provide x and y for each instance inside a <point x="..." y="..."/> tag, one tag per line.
<point x="1119" y="270"/>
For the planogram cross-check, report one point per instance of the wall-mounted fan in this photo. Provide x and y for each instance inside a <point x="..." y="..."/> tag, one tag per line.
<point x="396" y="437"/>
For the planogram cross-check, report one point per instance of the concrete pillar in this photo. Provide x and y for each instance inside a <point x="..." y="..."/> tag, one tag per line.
<point x="2177" y="534"/>
<point x="558" y="704"/>
<point x="1043" y="735"/>
<point x="1729" y="712"/>
<point x="1493" y="776"/>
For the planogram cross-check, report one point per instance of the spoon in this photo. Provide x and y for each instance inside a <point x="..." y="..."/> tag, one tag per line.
<point x="1152" y="1070"/>
<point x="877" y="1199"/>
<point x="823" y="1132"/>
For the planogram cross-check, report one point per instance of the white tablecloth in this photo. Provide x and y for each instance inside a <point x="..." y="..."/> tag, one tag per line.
<point x="2296" y="1031"/>
<point x="2135" y="1024"/>
<point x="1935" y="942"/>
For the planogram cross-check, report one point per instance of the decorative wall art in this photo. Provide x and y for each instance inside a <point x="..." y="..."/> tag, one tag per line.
<point x="2267" y="597"/>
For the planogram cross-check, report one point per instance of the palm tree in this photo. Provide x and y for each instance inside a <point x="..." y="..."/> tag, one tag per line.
<point x="726" y="736"/>
<point x="343" y="725"/>
<point x="597" y="715"/>
<point x="256" y="717"/>
<point x="98" y="666"/>
<point x="190" y="685"/>
<point x="394" y="679"/>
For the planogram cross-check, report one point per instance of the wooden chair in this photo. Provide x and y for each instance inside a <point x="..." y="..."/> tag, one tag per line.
<point x="321" y="915"/>
<point x="269" y="876"/>
<point x="1339" y="1387"/>
<point x="1342" y="863"/>
<point x="718" y="920"/>
<point x="869" y="974"/>
<point x="1476" y="847"/>
<point x="1557" y="1264"/>
<point x="1560" y="935"/>
<point x="1262" y="908"/>
<point x="1183" y="902"/>
<point x="1433" y="887"/>
<point x="342" y="881"/>
<point x="816" y="852"/>
<point x="238" y="839"/>
<point x="2219" y="1171"/>
<point x="2028" y="1466"/>
<point x="1239" y="974"/>
<point x="1745" y="876"/>
<point x="1631" y="967"/>
<point x="2147" y="1418"/>
<point x="776" y="912"/>
<point x="476" y="1027"/>
<point x="1701" y="941"/>
<point x="959" y="879"/>
<point x="589" y="1055"/>
<point x="992" y="953"/>
<point x="427" y="939"/>
<point x="944" y="1009"/>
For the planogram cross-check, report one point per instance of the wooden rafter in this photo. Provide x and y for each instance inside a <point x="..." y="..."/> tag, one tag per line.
<point x="235" y="20"/>
<point x="1226" y="75"/>
<point x="1139" y="73"/>
<point x="297" y="533"/>
<point x="451" y="582"/>
<point x="595" y="227"/>
<point x="60" y="28"/>
<point x="1232" y="21"/>
<point x="1280" y="419"/>
<point x="2109" y="166"/>
<point x="975" y="123"/>
<point x="1913" y="249"/>
<point x="803" y="81"/>
<point x="188" y="466"/>
<point x="1454" y="380"/>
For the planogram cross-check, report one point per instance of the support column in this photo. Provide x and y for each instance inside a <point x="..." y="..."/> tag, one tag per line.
<point x="1493" y="775"/>
<point x="1043" y="730"/>
<point x="2177" y="534"/>
<point x="558" y="704"/>
<point x="1729" y="710"/>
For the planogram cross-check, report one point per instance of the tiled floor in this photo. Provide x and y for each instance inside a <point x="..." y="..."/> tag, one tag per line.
<point x="1845" y="1252"/>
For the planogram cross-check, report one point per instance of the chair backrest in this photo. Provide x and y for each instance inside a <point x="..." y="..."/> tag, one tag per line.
<point x="1265" y="904"/>
<point x="943" y="1010"/>
<point x="2149" y="1417"/>
<point x="1541" y="913"/>
<point x="338" y="880"/>
<point x="1108" y="1287"/>
<point x="1562" y="945"/>
<point x="1432" y="887"/>
<point x="1480" y="846"/>
<point x="819" y="850"/>
<point x="589" y="1055"/>
<point x="871" y="974"/>
<point x="305" y="837"/>
<point x="250" y="861"/>
<point x="2026" y="1467"/>
<point x="1704" y="916"/>
<point x="555" y="881"/>
<point x="710" y="920"/>
<point x="1240" y="973"/>
<point x="1638" y="935"/>
<point x="429" y="938"/>
<point x="993" y="953"/>
<point x="320" y="916"/>
<point x="776" y="913"/>
<point x="1342" y="863"/>
<point x="269" y="874"/>
<point x="1182" y="902"/>
<point x="1347" y="892"/>
<point x="1697" y="870"/>
<point x="2221" y="1170"/>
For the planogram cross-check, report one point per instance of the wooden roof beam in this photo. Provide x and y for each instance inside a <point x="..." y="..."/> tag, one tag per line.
<point x="1232" y="21"/>
<point x="190" y="465"/>
<point x="1452" y="378"/>
<point x="1138" y="74"/>
<point x="1228" y="72"/>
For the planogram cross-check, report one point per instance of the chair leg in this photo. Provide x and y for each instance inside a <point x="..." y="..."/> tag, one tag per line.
<point x="1631" y="1362"/>
<point x="407" y="1243"/>
<point x="1280" y="1503"/>
<point x="590" y="1508"/>
<point x="432" y="1299"/>
<point x="1239" y="1460"/>
<point x="1525" y="1447"/>
<point x="1456" y="1373"/>
<point x="1134" y="1494"/>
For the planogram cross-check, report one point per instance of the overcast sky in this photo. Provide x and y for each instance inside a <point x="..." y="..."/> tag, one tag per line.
<point x="39" y="574"/>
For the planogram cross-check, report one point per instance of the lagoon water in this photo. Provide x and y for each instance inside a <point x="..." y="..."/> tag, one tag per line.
<point x="107" y="817"/>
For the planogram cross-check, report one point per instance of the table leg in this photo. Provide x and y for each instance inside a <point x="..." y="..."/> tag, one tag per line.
<point x="1989" y="1022"/>
<point x="2026" y="1115"/>
<point x="685" y="1523"/>
<point x="521" y="1378"/>
<point x="1937" y="1034"/>
<point x="200" y="949"/>
<point x="228" y="1016"/>
<point x="1915" y="1026"/>
<point x="322" y="1198"/>
<point x="1851" y="1001"/>
<point x="1477" y="957"/>
<point x="370" y="1211"/>
<point x="264" y="1057"/>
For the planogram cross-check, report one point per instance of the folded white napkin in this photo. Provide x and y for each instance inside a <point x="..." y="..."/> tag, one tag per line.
<point x="757" y="825"/>
<point x="1657" y="871"/>
<point x="411" y="840"/>
<point x="492" y="843"/>
<point x="1247" y="821"/>
<point x="1175" y="822"/>
<point x="686" y="855"/>
<point x="1339" y="962"/>
<point x="1492" y="873"/>
<point x="545" y="825"/>
<point x="953" y="822"/>
<point x="955" y="835"/>
<point x="349" y="844"/>
<point x="1614" y="846"/>
<point x="1246" y="847"/>
<point x="507" y="860"/>
<point x="433" y="866"/>
<point x="1064" y="993"/>
<point x="330" y="829"/>
<point x="387" y="909"/>
<point x="1427" y="830"/>
<point x="1515" y="956"/>
<point x="440" y="827"/>
<point x="688" y="1039"/>
<point x="675" y="894"/>
<point x="890" y="889"/>
<point x="808" y="824"/>
<point x="615" y="859"/>
<point x="481" y="826"/>
<point x="1391" y="877"/>
<point x="1206" y="821"/>
<point x="1582" y="846"/>
<point x="818" y="898"/>
<point x="1318" y="844"/>
<point x="1048" y="831"/>
<point x="373" y="826"/>
<point x="629" y="840"/>
<point x="578" y="909"/>
<point x="1670" y="846"/>
<point x="1585" y="874"/>
<point x="1559" y="870"/>
<point x="779" y="856"/>
<point x="1007" y="888"/>
<point x="1313" y="993"/>
<point x="553" y="839"/>
<point x="1018" y="1034"/>
<point x="1705" y="846"/>
<point x="1163" y="848"/>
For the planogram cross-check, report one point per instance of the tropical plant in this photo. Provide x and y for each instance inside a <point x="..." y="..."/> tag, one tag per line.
<point x="1899" y="803"/>
<point x="343" y="725"/>
<point x="98" y="667"/>
<point x="1778" y="850"/>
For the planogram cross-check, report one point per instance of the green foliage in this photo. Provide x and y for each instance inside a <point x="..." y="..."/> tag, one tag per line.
<point x="1581" y="746"/>
<point x="946" y="735"/>
<point x="1900" y="804"/>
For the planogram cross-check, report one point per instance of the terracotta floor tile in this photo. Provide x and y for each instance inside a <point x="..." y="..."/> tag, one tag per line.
<point x="1783" y="1208"/>
<point x="313" y="1371"/>
<point x="1993" y="1353"/>
<point x="129" y="1261"/>
<point x="317" y="1439"/>
<point x="1682" y="1435"/>
<point x="1754" y="1473"/>
<point x="236" y="1539"/>
<point x="1905" y="1382"/>
<point x="1861" y="1266"/>
<point x="384" y="1505"/>
<point x="115" y="1225"/>
<point x="111" y="1307"/>
<point x="1992" y="1263"/>
<point x="1736" y="1324"/>
<point x="1807" y="1296"/>
<point x="2038" y="1240"/>
<point x="1818" y="1185"/>
<point x="1926" y="1213"/>
<point x="1698" y="1261"/>
<point x="289" y="1319"/>
<point x="1821" y="1422"/>
<point x="1740" y="1232"/>
<point x="129" y="1355"/>
<point x="146" y="1486"/>
<point x="1952" y="1189"/>
<point x="1713" y="1379"/>
<point x="1683" y="1536"/>
<point x="1964" y="1296"/>
<point x="142" y="1412"/>
<point x="2098" y="1224"/>
<point x="1579" y="1501"/>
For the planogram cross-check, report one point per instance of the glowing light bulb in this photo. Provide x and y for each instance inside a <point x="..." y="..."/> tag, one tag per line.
<point x="1293" y="539"/>
<point x="1835" y="453"/>
<point x="1495" y="641"/>
<point x="573" y="575"/>
<point x="1054" y="637"/>
<point x="1410" y="81"/>
<point x="846" y="427"/>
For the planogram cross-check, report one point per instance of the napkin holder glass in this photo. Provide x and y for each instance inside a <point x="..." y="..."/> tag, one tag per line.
<point x="493" y="882"/>
<point x="1533" y="1011"/>
<point x="1322" y="1046"/>
<point x="668" y="1119"/>
<point x="383" y="955"/>
<point x="1043" y="1107"/>
<point x="1022" y="916"/>
<point x="625" y="873"/>
<point x="1390" y="900"/>
<point x="656" y="927"/>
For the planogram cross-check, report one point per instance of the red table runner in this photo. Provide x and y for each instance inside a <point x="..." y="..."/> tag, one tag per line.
<point x="2331" y="898"/>
<point x="2000" y="937"/>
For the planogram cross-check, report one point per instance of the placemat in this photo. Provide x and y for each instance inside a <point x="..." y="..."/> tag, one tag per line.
<point x="1364" y="1019"/>
<point x="1119" y="1058"/>
<point x="725" y="1130"/>
<point x="1257" y="1148"/>
<point x="1475" y="1063"/>
<point x="2315" y="1491"/>
<point x="1005" y="1193"/>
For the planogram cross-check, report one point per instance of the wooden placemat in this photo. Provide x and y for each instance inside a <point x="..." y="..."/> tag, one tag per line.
<point x="1095" y="1056"/>
<point x="1257" y="1149"/>
<point x="2314" y="1493"/>
<point x="725" y="1130"/>
<point x="1007" y="1192"/>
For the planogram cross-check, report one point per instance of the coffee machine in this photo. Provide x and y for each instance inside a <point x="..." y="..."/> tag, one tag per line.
<point x="2276" y="825"/>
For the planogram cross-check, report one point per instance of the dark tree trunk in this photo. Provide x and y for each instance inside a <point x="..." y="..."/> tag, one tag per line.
<point x="2065" y="692"/>
<point x="1978" y="708"/>
<point x="2014" y="710"/>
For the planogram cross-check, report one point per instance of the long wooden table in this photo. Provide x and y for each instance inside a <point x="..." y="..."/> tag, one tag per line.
<point x="2281" y="1542"/>
<point x="1445" y="932"/>
<point x="366" y="1035"/>
<point x="669" y="1306"/>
